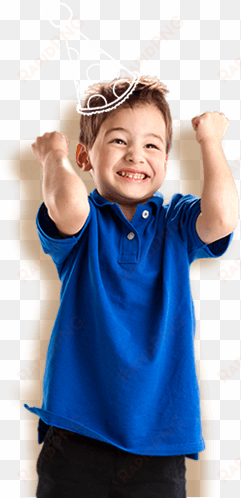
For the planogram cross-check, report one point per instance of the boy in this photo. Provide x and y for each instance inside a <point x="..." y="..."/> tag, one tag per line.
<point x="121" y="400"/>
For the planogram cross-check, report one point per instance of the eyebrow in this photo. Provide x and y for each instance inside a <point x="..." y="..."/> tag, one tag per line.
<point x="146" y="135"/>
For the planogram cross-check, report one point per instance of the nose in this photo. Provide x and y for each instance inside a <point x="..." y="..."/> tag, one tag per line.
<point x="135" y="155"/>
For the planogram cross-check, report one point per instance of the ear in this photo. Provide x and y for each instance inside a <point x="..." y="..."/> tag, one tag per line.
<point x="82" y="157"/>
<point x="165" y="162"/>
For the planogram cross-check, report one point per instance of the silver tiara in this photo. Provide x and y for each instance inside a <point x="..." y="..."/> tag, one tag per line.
<point x="107" y="107"/>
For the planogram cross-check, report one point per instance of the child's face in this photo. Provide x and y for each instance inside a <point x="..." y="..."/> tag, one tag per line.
<point x="120" y="150"/>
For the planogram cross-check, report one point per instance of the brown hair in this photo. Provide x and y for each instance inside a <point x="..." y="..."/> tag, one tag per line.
<point x="149" y="90"/>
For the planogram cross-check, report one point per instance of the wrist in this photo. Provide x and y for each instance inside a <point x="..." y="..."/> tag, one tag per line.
<point x="210" y="141"/>
<point x="54" y="154"/>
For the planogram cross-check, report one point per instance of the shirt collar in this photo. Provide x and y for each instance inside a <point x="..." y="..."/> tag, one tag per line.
<point x="101" y="201"/>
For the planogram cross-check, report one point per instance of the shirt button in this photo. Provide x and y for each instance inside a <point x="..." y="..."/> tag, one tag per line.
<point x="131" y="235"/>
<point x="145" y="214"/>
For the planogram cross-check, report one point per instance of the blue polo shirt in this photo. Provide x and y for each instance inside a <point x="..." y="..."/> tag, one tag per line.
<point x="120" y="363"/>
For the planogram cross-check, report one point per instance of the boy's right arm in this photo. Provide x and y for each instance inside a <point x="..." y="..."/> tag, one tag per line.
<point x="64" y="193"/>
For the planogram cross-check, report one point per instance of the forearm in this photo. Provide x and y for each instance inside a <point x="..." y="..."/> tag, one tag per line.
<point x="219" y="200"/>
<point x="62" y="187"/>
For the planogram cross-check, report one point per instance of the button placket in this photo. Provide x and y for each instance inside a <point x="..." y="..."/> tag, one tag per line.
<point x="129" y="248"/>
<point x="130" y="241"/>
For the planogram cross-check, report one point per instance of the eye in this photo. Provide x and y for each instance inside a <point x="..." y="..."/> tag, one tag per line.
<point x="153" y="145"/>
<point x="119" y="140"/>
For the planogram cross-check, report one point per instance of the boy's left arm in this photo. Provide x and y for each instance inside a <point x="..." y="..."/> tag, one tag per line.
<point x="219" y="201"/>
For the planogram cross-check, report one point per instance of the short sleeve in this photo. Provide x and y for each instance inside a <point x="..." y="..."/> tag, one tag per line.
<point x="184" y="210"/>
<point x="58" y="248"/>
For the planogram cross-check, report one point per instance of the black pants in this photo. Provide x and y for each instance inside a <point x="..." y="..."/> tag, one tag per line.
<point x="74" y="466"/>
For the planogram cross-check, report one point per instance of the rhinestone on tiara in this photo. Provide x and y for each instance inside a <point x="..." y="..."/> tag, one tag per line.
<point x="107" y="107"/>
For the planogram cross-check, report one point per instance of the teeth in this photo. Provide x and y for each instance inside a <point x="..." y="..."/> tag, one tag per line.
<point x="138" y="176"/>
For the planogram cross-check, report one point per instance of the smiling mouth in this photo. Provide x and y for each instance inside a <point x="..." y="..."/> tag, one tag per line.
<point x="128" y="179"/>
